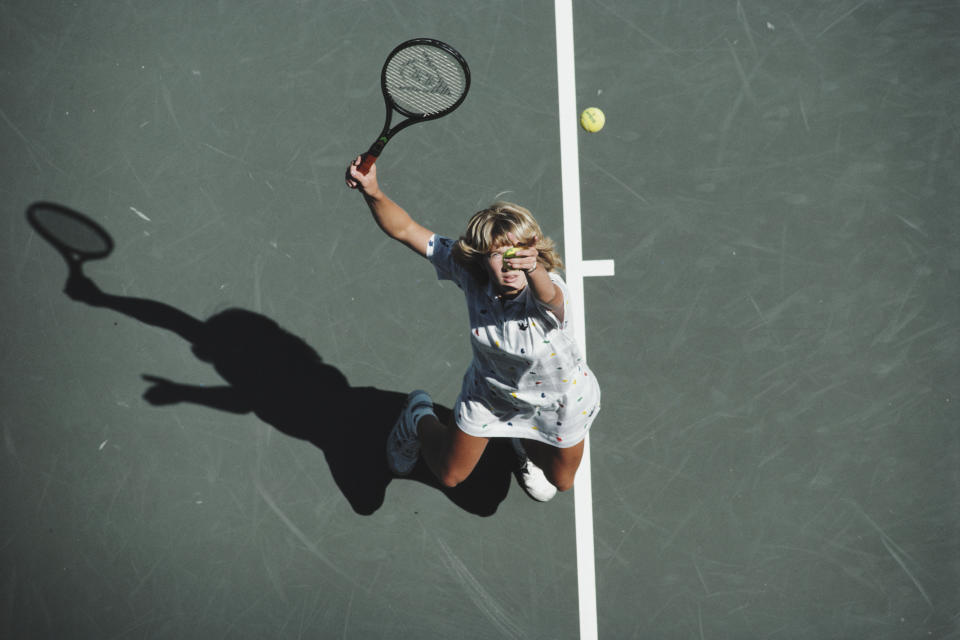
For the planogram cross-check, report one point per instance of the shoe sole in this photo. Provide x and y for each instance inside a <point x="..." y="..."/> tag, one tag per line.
<point x="393" y="437"/>
<point x="391" y="457"/>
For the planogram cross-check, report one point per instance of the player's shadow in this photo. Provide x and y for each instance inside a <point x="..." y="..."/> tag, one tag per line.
<point x="277" y="376"/>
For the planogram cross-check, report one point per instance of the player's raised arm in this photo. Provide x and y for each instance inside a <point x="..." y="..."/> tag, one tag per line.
<point x="390" y="216"/>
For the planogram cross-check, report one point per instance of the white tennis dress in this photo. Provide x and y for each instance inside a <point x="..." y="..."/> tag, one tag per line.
<point x="527" y="378"/>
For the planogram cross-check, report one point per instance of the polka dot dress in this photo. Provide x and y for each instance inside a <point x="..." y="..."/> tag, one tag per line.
<point x="527" y="378"/>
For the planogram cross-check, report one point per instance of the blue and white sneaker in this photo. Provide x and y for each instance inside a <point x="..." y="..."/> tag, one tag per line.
<point x="530" y="476"/>
<point x="403" y="444"/>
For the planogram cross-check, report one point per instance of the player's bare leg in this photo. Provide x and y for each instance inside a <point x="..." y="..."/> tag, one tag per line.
<point x="449" y="452"/>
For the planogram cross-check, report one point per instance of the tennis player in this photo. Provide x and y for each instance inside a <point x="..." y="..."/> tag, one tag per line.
<point x="528" y="381"/>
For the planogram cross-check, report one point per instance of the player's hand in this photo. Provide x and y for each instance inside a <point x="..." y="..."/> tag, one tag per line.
<point x="162" y="392"/>
<point x="366" y="183"/>
<point x="525" y="256"/>
<point x="82" y="289"/>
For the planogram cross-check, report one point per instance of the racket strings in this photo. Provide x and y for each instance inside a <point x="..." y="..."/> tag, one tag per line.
<point x="424" y="80"/>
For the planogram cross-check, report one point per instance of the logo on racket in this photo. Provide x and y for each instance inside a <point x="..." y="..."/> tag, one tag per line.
<point x="423" y="76"/>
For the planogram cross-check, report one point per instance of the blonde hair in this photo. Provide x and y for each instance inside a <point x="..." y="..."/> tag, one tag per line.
<point x="490" y="228"/>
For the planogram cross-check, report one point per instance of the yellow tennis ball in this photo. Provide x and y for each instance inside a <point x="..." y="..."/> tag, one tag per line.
<point x="592" y="119"/>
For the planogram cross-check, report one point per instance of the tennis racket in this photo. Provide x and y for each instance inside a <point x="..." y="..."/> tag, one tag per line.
<point x="75" y="236"/>
<point x="422" y="79"/>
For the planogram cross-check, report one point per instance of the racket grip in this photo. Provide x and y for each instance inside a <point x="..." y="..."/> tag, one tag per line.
<point x="366" y="162"/>
<point x="372" y="154"/>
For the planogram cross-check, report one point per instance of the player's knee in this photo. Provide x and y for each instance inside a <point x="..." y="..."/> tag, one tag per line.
<point x="563" y="483"/>
<point x="451" y="478"/>
<point x="561" y="476"/>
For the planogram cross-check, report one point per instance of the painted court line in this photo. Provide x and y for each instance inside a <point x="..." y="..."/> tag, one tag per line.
<point x="597" y="268"/>
<point x="576" y="269"/>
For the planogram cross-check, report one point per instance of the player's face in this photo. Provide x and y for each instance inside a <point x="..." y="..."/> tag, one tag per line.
<point x="508" y="281"/>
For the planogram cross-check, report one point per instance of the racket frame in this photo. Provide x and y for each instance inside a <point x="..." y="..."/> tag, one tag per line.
<point x="387" y="133"/>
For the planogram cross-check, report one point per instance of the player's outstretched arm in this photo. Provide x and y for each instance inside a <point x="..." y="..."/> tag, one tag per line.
<point x="390" y="216"/>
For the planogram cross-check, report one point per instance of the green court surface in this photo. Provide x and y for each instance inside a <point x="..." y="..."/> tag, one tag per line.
<point x="200" y="453"/>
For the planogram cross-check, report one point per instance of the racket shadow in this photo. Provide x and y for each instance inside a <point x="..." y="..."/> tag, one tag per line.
<point x="277" y="376"/>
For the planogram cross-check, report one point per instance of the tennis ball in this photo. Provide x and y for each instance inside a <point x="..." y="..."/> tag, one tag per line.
<point x="592" y="119"/>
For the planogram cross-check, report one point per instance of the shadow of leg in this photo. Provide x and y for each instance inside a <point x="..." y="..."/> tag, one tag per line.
<point x="486" y="487"/>
<point x="354" y="442"/>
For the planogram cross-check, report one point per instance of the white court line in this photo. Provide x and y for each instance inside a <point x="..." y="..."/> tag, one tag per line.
<point x="576" y="269"/>
<point x="597" y="268"/>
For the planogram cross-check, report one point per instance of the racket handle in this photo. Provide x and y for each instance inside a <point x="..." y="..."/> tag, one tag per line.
<point x="372" y="154"/>
<point x="366" y="162"/>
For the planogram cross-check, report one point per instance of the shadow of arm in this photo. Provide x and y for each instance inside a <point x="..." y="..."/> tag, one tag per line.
<point x="225" y="398"/>
<point x="157" y="314"/>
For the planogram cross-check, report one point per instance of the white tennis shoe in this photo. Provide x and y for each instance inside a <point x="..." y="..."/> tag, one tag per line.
<point x="403" y="444"/>
<point x="531" y="477"/>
